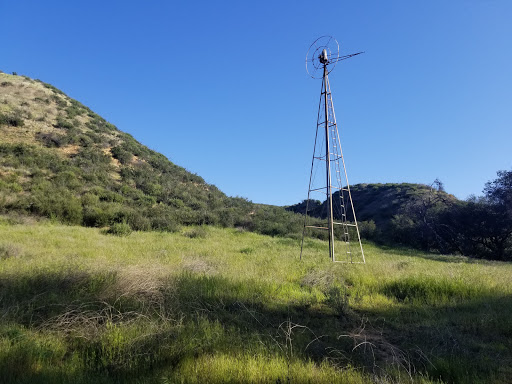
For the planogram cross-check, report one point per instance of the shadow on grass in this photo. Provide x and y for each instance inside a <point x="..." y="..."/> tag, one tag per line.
<point x="32" y="299"/>
<point x="465" y="335"/>
<point x="411" y="252"/>
<point x="68" y="326"/>
<point x="73" y="327"/>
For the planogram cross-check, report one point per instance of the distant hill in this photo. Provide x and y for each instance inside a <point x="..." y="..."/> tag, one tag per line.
<point x="59" y="159"/>
<point x="377" y="202"/>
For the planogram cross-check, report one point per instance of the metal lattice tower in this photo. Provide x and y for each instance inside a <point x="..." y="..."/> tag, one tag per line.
<point x="333" y="186"/>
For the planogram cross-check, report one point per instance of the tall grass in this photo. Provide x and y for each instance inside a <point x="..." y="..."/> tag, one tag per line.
<point x="77" y="305"/>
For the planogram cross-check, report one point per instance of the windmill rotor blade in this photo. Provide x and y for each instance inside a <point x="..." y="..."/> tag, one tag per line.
<point x="345" y="57"/>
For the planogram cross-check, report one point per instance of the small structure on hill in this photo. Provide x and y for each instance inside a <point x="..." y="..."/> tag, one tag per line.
<point x="338" y="218"/>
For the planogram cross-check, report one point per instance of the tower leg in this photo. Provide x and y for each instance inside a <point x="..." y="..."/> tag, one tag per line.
<point x="335" y="210"/>
<point x="330" y="219"/>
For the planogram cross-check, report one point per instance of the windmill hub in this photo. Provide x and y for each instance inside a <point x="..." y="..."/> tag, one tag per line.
<point x="324" y="59"/>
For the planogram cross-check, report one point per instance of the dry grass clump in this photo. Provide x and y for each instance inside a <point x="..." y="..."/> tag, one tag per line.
<point x="128" y="295"/>
<point x="19" y="218"/>
<point x="8" y="251"/>
<point x="199" y="266"/>
<point x="196" y="233"/>
<point x="142" y="283"/>
<point x="87" y="320"/>
<point x="321" y="278"/>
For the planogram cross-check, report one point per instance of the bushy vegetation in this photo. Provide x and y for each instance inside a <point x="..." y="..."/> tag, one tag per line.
<point x="82" y="170"/>
<point x="79" y="306"/>
<point x="427" y="218"/>
<point x="12" y="119"/>
<point x="119" y="229"/>
<point x="479" y="227"/>
<point x="81" y="190"/>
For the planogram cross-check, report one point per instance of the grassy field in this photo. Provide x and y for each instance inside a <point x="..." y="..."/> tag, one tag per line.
<point x="209" y="305"/>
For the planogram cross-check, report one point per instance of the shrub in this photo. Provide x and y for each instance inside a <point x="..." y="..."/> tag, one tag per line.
<point x="367" y="229"/>
<point x="196" y="233"/>
<point x="98" y="215"/>
<point x="51" y="87"/>
<point x="56" y="202"/>
<point x="122" y="155"/>
<point x="51" y="139"/>
<point x="16" y="155"/>
<point x="67" y="179"/>
<point x="73" y="111"/>
<point x="165" y="224"/>
<point x="13" y="119"/>
<point x="84" y="141"/>
<point x="63" y="123"/>
<point x="13" y="187"/>
<point x="61" y="103"/>
<point x="94" y="137"/>
<point x="119" y="229"/>
<point x="107" y="195"/>
<point x="163" y="218"/>
<point x="138" y="222"/>
<point x="41" y="100"/>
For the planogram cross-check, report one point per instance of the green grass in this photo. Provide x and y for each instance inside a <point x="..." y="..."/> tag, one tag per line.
<point x="210" y="305"/>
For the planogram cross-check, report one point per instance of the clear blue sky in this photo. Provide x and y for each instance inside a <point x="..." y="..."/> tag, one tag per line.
<point x="219" y="87"/>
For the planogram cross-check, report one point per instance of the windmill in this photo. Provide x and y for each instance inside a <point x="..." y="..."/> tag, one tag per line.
<point x="336" y="215"/>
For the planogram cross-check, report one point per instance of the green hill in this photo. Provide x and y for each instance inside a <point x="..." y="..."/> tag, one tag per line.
<point x="59" y="159"/>
<point x="380" y="203"/>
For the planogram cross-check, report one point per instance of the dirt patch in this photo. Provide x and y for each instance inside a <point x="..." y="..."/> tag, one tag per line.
<point x="69" y="150"/>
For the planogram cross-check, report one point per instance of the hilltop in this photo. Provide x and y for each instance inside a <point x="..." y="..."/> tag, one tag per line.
<point x="61" y="160"/>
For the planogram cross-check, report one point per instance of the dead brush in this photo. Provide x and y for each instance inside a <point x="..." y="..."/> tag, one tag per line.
<point x="141" y="284"/>
<point x="379" y="355"/>
<point x="285" y="337"/>
<point x="322" y="279"/>
<point x="332" y="286"/>
<point x="134" y="294"/>
<point x="148" y="290"/>
<point x="89" y="320"/>
<point x="109" y="339"/>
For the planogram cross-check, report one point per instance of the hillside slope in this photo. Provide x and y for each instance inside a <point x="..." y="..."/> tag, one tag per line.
<point x="59" y="159"/>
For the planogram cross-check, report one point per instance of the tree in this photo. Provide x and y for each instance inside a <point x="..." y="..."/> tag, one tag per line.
<point x="499" y="191"/>
<point x="482" y="226"/>
<point x="417" y="223"/>
<point x="498" y="194"/>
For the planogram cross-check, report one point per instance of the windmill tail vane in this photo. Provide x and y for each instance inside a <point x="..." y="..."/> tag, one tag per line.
<point x="334" y="219"/>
